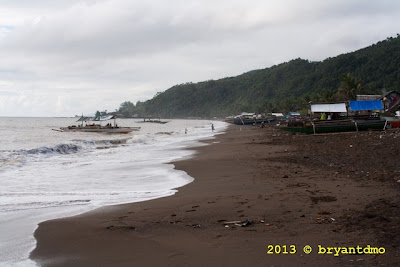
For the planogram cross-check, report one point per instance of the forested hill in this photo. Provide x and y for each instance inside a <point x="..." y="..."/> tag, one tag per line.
<point x="284" y="87"/>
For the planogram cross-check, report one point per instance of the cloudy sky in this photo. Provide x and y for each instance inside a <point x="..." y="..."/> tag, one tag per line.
<point x="67" y="57"/>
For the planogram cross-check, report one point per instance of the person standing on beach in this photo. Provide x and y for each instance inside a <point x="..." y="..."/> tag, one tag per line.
<point x="212" y="127"/>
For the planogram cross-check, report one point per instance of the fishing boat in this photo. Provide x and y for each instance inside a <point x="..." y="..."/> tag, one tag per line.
<point x="251" y="119"/>
<point x="340" y="125"/>
<point x="88" y="124"/>
<point x="393" y="121"/>
<point x="150" y="120"/>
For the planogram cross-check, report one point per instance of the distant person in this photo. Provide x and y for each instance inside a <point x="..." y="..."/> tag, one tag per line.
<point x="185" y="130"/>
<point x="323" y="116"/>
<point x="329" y="117"/>
<point x="212" y="127"/>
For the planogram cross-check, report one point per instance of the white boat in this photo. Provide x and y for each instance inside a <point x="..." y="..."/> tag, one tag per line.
<point x="91" y="126"/>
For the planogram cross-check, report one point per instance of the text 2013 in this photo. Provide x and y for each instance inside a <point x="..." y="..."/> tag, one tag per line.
<point x="281" y="249"/>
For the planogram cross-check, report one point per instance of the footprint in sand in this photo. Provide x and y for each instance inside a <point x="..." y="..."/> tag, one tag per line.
<point x="190" y="210"/>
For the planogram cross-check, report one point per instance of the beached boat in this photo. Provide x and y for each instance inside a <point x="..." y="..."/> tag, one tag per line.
<point x="393" y="121"/>
<point x="251" y="119"/>
<point x="330" y="126"/>
<point x="91" y="126"/>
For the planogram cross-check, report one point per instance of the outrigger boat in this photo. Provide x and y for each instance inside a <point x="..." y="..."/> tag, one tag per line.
<point x="98" y="128"/>
<point x="331" y="126"/>
<point x="340" y="123"/>
<point x="250" y="119"/>
<point x="156" y="120"/>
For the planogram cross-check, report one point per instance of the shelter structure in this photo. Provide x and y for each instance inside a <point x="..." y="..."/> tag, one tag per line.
<point x="391" y="101"/>
<point x="368" y="97"/>
<point x="328" y="111"/>
<point x="365" y="107"/>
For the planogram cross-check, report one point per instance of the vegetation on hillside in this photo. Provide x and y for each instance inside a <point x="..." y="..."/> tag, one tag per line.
<point x="281" y="88"/>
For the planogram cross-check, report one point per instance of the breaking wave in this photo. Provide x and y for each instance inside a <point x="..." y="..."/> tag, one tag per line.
<point x="19" y="157"/>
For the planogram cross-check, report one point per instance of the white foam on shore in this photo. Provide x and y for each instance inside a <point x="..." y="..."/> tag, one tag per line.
<point x="55" y="181"/>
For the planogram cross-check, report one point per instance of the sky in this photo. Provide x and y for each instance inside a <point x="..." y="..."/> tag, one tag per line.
<point x="68" y="57"/>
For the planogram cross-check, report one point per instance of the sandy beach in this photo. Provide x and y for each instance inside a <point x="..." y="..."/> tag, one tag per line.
<point x="254" y="188"/>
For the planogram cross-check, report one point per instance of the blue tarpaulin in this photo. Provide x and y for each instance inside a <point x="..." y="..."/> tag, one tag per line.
<point x="366" y="105"/>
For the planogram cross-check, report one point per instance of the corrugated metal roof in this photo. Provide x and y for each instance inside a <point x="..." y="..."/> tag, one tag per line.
<point x="339" y="107"/>
<point x="368" y="97"/>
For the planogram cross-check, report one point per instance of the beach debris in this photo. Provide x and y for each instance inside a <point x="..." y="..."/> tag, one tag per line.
<point x="239" y="223"/>
<point x="321" y="220"/>
<point x="245" y="223"/>
<point x="285" y="176"/>
<point x="232" y="222"/>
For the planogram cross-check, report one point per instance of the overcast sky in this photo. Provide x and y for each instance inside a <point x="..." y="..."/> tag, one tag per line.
<point x="67" y="57"/>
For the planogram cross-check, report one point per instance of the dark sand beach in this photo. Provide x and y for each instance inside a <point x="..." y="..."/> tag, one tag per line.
<point x="286" y="190"/>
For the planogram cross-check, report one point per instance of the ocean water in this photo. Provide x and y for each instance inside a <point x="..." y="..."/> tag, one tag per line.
<point x="45" y="174"/>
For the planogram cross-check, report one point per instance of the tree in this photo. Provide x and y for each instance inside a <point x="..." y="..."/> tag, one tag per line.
<point x="127" y="109"/>
<point x="349" y="88"/>
<point x="326" y="96"/>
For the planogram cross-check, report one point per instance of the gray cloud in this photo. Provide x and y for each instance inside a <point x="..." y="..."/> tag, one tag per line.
<point x="69" y="57"/>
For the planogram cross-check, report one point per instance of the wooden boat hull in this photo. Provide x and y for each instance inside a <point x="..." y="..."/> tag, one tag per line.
<point x="120" y="130"/>
<point x="252" y="122"/>
<point x="337" y="126"/>
<point x="393" y="121"/>
<point x="395" y="124"/>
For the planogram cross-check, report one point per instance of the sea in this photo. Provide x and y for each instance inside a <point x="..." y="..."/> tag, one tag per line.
<point x="47" y="174"/>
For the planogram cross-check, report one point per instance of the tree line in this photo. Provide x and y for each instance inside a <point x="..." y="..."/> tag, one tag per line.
<point x="285" y="87"/>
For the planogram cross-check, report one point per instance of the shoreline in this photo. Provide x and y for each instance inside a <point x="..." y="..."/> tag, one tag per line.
<point x="240" y="176"/>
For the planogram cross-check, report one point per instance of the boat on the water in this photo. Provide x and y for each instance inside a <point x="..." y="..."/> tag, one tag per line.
<point x="88" y="124"/>
<point x="150" y="120"/>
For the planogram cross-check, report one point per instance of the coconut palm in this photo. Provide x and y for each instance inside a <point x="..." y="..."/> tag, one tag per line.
<point x="349" y="88"/>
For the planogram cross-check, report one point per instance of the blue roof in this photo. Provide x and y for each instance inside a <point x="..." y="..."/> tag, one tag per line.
<point x="366" y="105"/>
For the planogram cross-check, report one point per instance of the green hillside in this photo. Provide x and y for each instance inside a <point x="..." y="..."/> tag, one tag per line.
<point x="284" y="87"/>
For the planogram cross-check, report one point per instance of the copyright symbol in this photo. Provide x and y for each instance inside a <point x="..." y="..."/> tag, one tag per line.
<point x="307" y="249"/>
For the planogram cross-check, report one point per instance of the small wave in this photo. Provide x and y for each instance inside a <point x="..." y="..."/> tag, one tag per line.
<point x="46" y="204"/>
<point x="58" y="149"/>
<point x="104" y="142"/>
<point x="20" y="157"/>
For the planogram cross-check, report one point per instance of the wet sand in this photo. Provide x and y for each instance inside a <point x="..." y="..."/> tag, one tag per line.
<point x="280" y="189"/>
